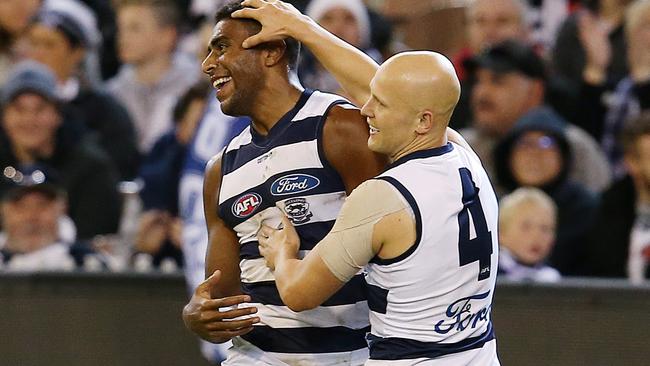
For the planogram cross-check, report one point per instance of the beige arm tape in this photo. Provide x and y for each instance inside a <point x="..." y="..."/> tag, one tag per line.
<point x="348" y="247"/>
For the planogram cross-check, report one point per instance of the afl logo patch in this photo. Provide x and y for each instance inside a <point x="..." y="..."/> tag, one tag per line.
<point x="294" y="183"/>
<point x="245" y="205"/>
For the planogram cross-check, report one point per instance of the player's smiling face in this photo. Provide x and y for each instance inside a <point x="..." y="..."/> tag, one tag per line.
<point x="236" y="73"/>
<point x="391" y="131"/>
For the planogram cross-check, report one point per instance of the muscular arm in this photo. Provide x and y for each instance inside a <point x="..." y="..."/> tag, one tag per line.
<point x="223" y="247"/>
<point x="352" y="68"/>
<point x="364" y="228"/>
<point x="207" y="312"/>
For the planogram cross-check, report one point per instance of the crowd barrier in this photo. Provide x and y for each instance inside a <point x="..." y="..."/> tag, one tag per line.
<point x="134" y="319"/>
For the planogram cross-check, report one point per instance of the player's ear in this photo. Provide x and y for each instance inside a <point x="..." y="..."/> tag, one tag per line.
<point x="273" y="52"/>
<point x="425" y="122"/>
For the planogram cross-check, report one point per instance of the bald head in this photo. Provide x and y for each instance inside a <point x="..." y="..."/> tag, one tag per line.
<point x="422" y="81"/>
<point x="411" y="100"/>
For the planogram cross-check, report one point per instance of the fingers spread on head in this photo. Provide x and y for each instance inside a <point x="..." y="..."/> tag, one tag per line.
<point x="252" y="3"/>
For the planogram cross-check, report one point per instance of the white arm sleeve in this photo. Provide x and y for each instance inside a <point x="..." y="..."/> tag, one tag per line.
<point x="348" y="247"/>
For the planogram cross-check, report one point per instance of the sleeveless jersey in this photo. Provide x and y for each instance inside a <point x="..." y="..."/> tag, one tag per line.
<point x="434" y="300"/>
<point x="287" y="170"/>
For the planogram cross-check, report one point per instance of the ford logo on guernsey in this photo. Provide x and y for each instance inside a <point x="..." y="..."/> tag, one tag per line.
<point x="294" y="183"/>
<point x="245" y="205"/>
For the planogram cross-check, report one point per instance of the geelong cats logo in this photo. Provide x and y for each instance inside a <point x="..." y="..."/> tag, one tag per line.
<point x="245" y="205"/>
<point x="297" y="210"/>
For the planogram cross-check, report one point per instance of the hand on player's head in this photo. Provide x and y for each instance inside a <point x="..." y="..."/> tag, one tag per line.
<point x="276" y="17"/>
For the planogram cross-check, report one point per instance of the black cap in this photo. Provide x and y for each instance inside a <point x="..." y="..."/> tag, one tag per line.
<point x="509" y="56"/>
<point x="29" y="77"/>
<point x="16" y="183"/>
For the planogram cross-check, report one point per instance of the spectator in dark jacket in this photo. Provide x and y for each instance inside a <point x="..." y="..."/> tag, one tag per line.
<point x="33" y="131"/>
<point x="572" y="52"/>
<point x="159" y="232"/>
<point x="603" y="116"/>
<point x="511" y="83"/>
<point x="619" y="241"/>
<point x="537" y="154"/>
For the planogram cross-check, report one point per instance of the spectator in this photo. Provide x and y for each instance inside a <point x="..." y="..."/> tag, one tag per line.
<point x="489" y="22"/>
<point x="527" y="235"/>
<point x="348" y="20"/>
<point x="160" y="228"/>
<point x="34" y="131"/>
<point x="510" y="83"/>
<point x="620" y="237"/>
<point x="31" y="211"/>
<point x="537" y="154"/>
<point x="106" y="23"/>
<point x="545" y="18"/>
<point x="153" y="76"/>
<point x="14" y="18"/>
<point x="604" y="117"/>
<point x="570" y="54"/>
<point x="60" y="39"/>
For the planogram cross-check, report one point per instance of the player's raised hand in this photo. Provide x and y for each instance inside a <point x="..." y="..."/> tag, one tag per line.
<point x="281" y="242"/>
<point x="279" y="20"/>
<point x="215" y="319"/>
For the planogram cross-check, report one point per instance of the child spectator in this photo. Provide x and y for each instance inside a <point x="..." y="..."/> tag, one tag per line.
<point x="527" y="234"/>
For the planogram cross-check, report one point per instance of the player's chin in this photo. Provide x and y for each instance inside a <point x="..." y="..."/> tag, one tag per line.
<point x="374" y="145"/>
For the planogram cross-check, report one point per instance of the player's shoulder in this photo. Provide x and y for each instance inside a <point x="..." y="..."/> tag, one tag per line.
<point x="213" y="168"/>
<point x="344" y="121"/>
<point x="343" y="111"/>
<point x="373" y="188"/>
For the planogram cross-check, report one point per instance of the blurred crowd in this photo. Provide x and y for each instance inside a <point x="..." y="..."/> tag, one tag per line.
<point x="106" y="124"/>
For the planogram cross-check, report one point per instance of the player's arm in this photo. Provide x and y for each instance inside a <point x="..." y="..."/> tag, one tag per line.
<point x="223" y="246"/>
<point x="352" y="68"/>
<point x="221" y="289"/>
<point x="364" y="228"/>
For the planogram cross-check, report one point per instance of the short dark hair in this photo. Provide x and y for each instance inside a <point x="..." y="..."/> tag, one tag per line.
<point x="292" y="51"/>
<point x="633" y="129"/>
<point x="198" y="91"/>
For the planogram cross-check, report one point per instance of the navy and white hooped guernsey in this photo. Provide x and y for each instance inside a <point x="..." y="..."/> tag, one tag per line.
<point x="287" y="170"/>
<point x="432" y="304"/>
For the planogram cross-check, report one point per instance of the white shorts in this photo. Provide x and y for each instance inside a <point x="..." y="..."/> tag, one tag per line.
<point x="484" y="356"/>
<point x="243" y="353"/>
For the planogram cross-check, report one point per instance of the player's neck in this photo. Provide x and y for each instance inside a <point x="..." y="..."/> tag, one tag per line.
<point x="274" y="102"/>
<point x="421" y="142"/>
